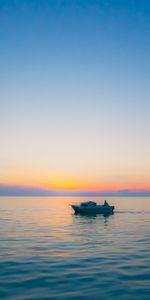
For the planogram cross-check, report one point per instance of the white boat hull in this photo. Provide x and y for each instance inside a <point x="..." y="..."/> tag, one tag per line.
<point x="93" y="209"/>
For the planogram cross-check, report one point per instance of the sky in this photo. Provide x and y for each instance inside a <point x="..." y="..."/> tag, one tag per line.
<point x="74" y="96"/>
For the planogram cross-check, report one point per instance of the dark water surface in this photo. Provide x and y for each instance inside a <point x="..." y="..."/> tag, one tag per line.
<point x="47" y="252"/>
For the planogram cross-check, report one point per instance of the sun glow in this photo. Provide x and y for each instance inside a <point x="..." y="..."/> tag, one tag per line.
<point x="71" y="183"/>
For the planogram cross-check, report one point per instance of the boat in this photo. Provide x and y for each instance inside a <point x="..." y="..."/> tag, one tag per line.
<point x="92" y="207"/>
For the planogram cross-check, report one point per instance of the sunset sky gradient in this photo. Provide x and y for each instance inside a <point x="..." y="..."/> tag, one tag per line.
<point x="75" y="96"/>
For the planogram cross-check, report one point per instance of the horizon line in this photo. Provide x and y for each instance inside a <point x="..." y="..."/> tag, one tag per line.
<point x="20" y="190"/>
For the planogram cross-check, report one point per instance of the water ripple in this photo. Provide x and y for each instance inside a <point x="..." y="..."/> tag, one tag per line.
<point x="47" y="252"/>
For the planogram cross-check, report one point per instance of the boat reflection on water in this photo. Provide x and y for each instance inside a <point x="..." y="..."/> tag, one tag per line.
<point x="93" y="215"/>
<point x="95" y="219"/>
<point x="89" y="218"/>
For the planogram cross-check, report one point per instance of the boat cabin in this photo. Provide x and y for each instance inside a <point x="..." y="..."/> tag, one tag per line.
<point x="89" y="203"/>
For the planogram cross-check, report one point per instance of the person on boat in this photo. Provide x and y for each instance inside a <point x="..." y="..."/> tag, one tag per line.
<point x="106" y="203"/>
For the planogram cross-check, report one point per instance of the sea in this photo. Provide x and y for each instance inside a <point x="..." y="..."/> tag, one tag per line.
<point x="48" y="252"/>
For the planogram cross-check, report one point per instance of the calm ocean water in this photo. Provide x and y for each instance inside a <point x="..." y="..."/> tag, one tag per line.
<point x="47" y="252"/>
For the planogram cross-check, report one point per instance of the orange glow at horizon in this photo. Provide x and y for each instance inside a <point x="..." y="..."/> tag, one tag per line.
<point x="66" y="183"/>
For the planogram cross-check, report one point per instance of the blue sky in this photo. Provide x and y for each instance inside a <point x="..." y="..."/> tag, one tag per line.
<point x="75" y="94"/>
